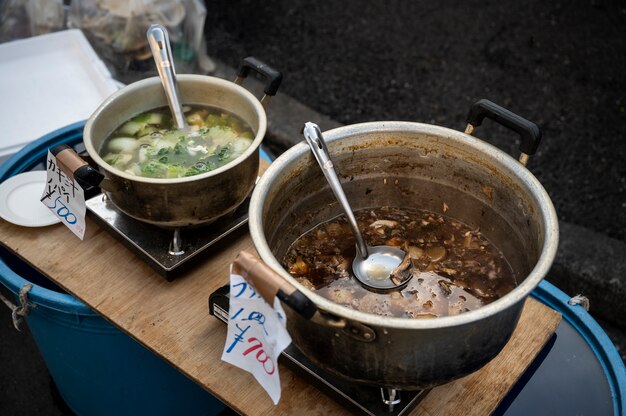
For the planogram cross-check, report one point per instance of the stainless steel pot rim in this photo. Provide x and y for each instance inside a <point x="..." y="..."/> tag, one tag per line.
<point x="511" y="165"/>
<point x="255" y="103"/>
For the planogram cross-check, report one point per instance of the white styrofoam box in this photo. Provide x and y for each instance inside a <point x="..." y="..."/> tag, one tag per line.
<point x="48" y="82"/>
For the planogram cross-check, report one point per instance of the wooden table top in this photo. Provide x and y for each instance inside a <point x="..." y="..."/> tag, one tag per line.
<point x="172" y="320"/>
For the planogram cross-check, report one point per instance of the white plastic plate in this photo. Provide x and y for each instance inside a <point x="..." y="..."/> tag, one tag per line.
<point x="48" y="82"/>
<point x="20" y="200"/>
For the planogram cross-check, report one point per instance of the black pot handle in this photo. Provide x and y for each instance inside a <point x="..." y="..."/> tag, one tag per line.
<point x="274" y="77"/>
<point x="75" y="167"/>
<point x="528" y="131"/>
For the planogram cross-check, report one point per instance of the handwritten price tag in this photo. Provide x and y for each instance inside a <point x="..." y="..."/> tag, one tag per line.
<point x="256" y="335"/>
<point x="64" y="198"/>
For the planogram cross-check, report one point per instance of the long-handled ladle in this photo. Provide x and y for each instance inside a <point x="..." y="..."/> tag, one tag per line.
<point x="380" y="268"/>
<point x="159" y="42"/>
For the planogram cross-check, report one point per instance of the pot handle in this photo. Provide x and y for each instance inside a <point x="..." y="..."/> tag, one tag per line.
<point x="274" y="77"/>
<point x="528" y="131"/>
<point x="269" y="284"/>
<point x="75" y="167"/>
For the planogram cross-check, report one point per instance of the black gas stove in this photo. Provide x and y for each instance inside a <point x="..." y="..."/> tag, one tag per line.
<point x="358" y="398"/>
<point x="168" y="251"/>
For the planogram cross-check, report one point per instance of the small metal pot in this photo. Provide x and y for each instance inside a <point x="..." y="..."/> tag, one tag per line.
<point x="177" y="202"/>
<point x="408" y="165"/>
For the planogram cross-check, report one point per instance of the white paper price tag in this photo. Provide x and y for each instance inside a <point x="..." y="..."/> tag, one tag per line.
<point x="64" y="198"/>
<point x="256" y="335"/>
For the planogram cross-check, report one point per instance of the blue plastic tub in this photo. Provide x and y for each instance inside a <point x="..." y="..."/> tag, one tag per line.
<point x="97" y="369"/>
<point x="579" y="371"/>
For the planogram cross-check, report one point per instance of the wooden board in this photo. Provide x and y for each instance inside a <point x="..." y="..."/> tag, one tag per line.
<point x="172" y="320"/>
<point x="480" y="393"/>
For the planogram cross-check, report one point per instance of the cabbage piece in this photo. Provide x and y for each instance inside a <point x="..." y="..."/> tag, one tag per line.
<point x="130" y="128"/>
<point x="221" y="135"/>
<point x="175" y="171"/>
<point x="224" y="152"/>
<point x="141" y="125"/>
<point x="196" y="169"/>
<point x="146" y="130"/>
<point x="123" y="144"/>
<point x="154" y="169"/>
<point x="118" y="160"/>
<point x="149" y="118"/>
<point x="173" y="137"/>
<point x="240" y="144"/>
<point x="143" y="153"/>
<point x="215" y="120"/>
<point x="134" y="169"/>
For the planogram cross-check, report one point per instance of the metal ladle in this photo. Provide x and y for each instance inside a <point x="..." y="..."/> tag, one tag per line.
<point x="379" y="267"/>
<point x="159" y="42"/>
<point x="162" y="53"/>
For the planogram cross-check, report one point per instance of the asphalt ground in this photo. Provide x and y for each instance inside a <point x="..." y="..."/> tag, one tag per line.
<point x="560" y="65"/>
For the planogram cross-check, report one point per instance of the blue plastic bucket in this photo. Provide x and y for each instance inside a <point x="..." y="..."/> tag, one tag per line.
<point x="578" y="371"/>
<point x="98" y="369"/>
<point x="572" y="391"/>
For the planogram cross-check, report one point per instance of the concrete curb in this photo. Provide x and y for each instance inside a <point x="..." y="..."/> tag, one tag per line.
<point x="286" y="116"/>
<point x="587" y="262"/>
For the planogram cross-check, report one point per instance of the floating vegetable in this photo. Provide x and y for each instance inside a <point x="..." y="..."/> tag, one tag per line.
<point x="150" y="144"/>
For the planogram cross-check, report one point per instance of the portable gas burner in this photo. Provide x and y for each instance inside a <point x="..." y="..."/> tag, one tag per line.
<point x="165" y="250"/>
<point x="358" y="398"/>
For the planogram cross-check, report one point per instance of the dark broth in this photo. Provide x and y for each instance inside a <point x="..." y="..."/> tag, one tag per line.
<point x="150" y="144"/>
<point x="455" y="268"/>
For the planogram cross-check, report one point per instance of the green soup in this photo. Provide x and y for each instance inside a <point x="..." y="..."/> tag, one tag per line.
<point x="150" y="145"/>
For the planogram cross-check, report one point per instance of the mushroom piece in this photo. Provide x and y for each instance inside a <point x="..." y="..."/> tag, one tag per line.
<point x="402" y="272"/>
<point x="414" y="252"/>
<point x="435" y="253"/>
<point x="384" y="223"/>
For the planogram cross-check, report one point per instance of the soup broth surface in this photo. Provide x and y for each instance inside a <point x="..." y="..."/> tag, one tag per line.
<point x="454" y="268"/>
<point x="151" y="145"/>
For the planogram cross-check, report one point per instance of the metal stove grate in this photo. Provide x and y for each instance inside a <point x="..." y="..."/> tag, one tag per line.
<point x="167" y="251"/>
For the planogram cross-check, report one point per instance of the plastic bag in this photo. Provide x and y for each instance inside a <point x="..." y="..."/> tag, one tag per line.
<point x="24" y="18"/>
<point x="117" y="30"/>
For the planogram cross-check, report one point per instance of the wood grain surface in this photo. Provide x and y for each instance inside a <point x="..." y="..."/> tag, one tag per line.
<point x="172" y="320"/>
<point x="480" y="393"/>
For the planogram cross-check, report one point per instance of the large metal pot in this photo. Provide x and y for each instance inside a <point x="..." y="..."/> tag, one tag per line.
<point x="177" y="202"/>
<point x="409" y="165"/>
